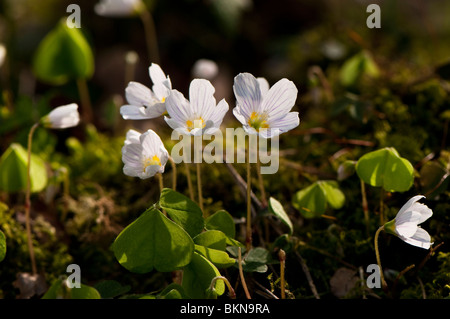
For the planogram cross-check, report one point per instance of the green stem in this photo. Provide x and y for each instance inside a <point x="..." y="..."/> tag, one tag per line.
<point x="382" y="206"/>
<point x="131" y="60"/>
<point x="28" y="201"/>
<point x="199" y="186"/>
<point x="161" y="187"/>
<point x="282" y="258"/>
<point x="83" y="91"/>
<point x="150" y="35"/>
<point x="225" y="280"/>
<point x="241" y="274"/>
<point x="160" y="180"/>
<point x="189" y="180"/>
<point x="260" y="178"/>
<point x="365" y="206"/>
<point x="174" y="173"/>
<point x="377" y="253"/>
<point x="248" y="239"/>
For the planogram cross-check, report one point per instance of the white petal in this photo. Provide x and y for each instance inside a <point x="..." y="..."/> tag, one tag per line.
<point x="116" y="8"/>
<point x="163" y="155"/>
<point x="133" y="112"/>
<point x="139" y="95"/>
<point x="201" y="98"/>
<point x="408" y="204"/>
<point x="181" y="127"/>
<point x="132" y="158"/>
<point x="130" y="171"/>
<point x="156" y="74"/>
<point x="2" y="54"/>
<point x="64" y="116"/>
<point x="162" y="90"/>
<point x="249" y="129"/>
<point x="156" y="110"/>
<point x="178" y="107"/>
<point x="421" y="239"/>
<point x="263" y="85"/>
<point x="288" y="122"/>
<point x="219" y="112"/>
<point x="280" y="99"/>
<point x="269" y="132"/>
<point x="204" y="68"/>
<point x="408" y="217"/>
<point x="151" y="170"/>
<point x="424" y="211"/>
<point x="406" y="229"/>
<point x="151" y="143"/>
<point x="132" y="137"/>
<point x="239" y="116"/>
<point x="248" y="94"/>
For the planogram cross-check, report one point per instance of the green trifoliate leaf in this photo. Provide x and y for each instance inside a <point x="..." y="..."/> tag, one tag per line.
<point x="153" y="242"/>
<point x="312" y="201"/>
<point x="182" y="211"/>
<point x="385" y="168"/>
<point x="13" y="170"/>
<point x="60" y="290"/>
<point x="197" y="277"/>
<point x="62" y="55"/>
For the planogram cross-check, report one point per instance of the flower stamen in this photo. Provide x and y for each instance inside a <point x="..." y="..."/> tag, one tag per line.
<point x="197" y="123"/>
<point x="258" y="121"/>
<point x="151" y="161"/>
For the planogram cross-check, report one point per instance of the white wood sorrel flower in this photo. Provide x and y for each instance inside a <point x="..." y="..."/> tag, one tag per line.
<point x="144" y="155"/>
<point x="262" y="110"/>
<point x="405" y="224"/>
<point x="200" y="115"/>
<point x="62" y="117"/>
<point x="118" y="8"/>
<point x="143" y="102"/>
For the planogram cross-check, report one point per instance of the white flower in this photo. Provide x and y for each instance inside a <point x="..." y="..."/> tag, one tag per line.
<point x="62" y="117"/>
<point x="143" y="102"/>
<point x="262" y="110"/>
<point x="198" y="116"/>
<point x="144" y="155"/>
<point x="205" y="69"/>
<point x="405" y="224"/>
<point x="118" y="8"/>
<point x="2" y="54"/>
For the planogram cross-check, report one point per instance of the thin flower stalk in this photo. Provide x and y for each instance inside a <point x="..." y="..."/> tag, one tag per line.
<point x="377" y="254"/>
<point x="241" y="274"/>
<point x="248" y="239"/>
<point x="28" y="201"/>
<point x="199" y="186"/>
<point x="174" y="173"/>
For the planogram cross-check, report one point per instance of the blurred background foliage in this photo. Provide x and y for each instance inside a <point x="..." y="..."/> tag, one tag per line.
<point x="360" y="89"/>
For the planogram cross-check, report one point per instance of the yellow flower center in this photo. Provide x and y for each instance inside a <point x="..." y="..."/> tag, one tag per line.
<point x="151" y="161"/>
<point x="258" y="121"/>
<point x="197" y="123"/>
<point x="163" y="100"/>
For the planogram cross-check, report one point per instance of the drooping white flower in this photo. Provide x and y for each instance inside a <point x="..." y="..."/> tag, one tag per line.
<point x="262" y="110"/>
<point x="143" y="155"/>
<point x="62" y="117"/>
<point x="200" y="115"/>
<point x="144" y="103"/>
<point x="118" y="8"/>
<point x="405" y="224"/>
